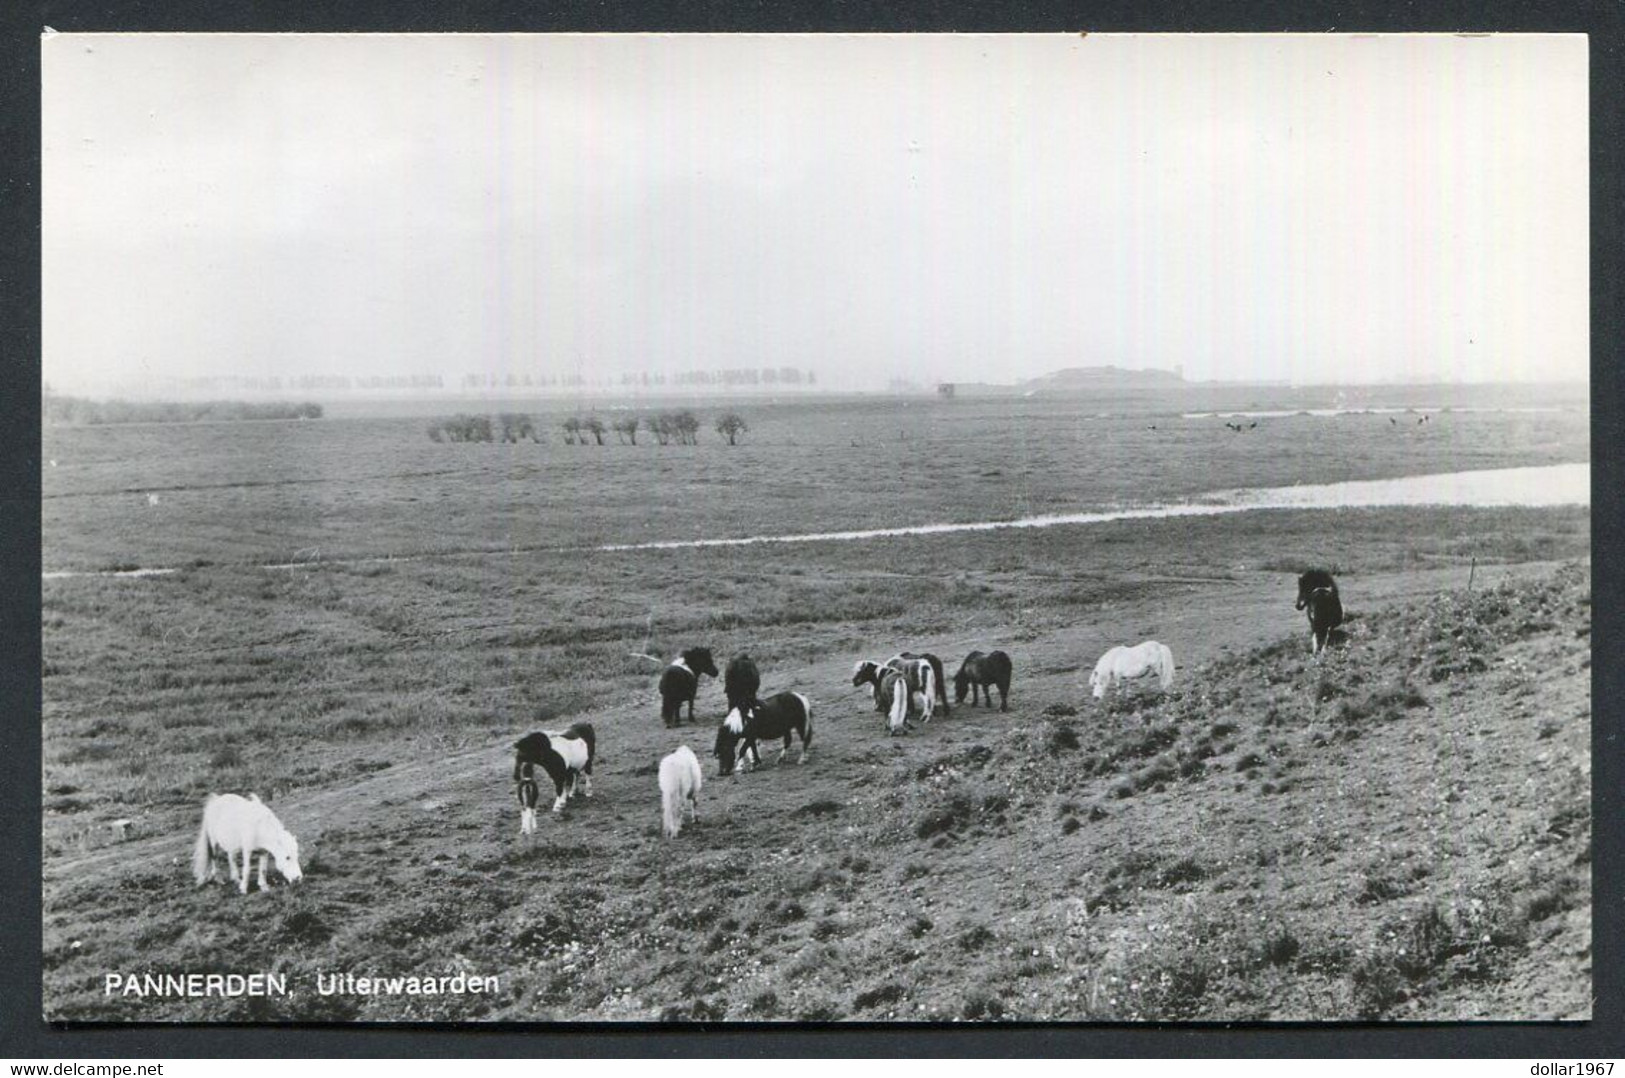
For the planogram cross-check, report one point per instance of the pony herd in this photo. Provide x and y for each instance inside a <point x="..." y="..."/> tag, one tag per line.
<point x="906" y="687"/>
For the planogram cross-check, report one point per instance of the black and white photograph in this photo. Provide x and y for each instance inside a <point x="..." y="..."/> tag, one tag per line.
<point x="815" y="528"/>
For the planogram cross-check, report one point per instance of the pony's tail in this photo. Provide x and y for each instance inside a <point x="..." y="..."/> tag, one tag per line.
<point x="200" y="855"/>
<point x="671" y="808"/>
<point x="806" y="731"/>
<point x="942" y="683"/>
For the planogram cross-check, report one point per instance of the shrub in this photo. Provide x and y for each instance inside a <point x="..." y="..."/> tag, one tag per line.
<point x="1281" y="947"/>
<point x="515" y="426"/>
<point x="1063" y="737"/>
<point x="462" y="428"/>
<point x="731" y="426"/>
<point x="981" y="1004"/>
<point x="874" y="997"/>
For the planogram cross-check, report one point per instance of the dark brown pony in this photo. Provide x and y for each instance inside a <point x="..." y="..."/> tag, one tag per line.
<point x="1317" y="594"/>
<point x="979" y="671"/>
<point x="680" y="682"/>
<point x="741" y="682"/>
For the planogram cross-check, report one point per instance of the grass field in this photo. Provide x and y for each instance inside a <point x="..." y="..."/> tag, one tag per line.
<point x="1035" y="864"/>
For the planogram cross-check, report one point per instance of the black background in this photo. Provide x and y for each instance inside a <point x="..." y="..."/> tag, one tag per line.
<point x="23" y="1034"/>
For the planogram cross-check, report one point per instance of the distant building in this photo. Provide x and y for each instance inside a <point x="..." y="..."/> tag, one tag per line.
<point x="945" y="390"/>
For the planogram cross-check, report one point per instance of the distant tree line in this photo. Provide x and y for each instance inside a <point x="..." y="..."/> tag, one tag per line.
<point x="78" y="410"/>
<point x="727" y="376"/>
<point x="732" y="377"/>
<point x="510" y="427"/>
<point x="679" y="427"/>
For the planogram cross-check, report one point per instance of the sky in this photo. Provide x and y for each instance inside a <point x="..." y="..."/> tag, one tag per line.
<point x="947" y="207"/>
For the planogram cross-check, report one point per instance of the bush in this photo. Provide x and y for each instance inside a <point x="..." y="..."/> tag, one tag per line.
<point x="462" y="428"/>
<point x="515" y="426"/>
<point x="57" y="411"/>
<point x="731" y="426"/>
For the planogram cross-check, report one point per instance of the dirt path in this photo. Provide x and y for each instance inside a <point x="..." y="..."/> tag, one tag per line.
<point x="1202" y="620"/>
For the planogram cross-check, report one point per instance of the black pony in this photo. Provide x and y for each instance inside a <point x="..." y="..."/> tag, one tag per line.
<point x="1317" y="592"/>
<point x="567" y="759"/>
<point x="741" y="681"/>
<point x="776" y="717"/>
<point x="978" y="671"/>
<point x="681" y="681"/>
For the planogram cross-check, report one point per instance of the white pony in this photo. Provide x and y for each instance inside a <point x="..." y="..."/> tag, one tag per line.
<point x="680" y="782"/>
<point x="1123" y="664"/>
<point x="241" y="825"/>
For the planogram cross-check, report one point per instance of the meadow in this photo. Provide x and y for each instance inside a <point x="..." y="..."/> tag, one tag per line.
<point x="1369" y="846"/>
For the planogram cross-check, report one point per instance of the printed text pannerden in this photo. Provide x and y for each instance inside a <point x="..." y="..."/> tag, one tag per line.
<point x="144" y="985"/>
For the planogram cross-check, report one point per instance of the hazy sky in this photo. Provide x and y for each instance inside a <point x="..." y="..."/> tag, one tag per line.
<point x="942" y="207"/>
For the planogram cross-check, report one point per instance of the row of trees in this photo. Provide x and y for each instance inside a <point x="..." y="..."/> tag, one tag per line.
<point x="721" y="376"/>
<point x="78" y="410"/>
<point x="681" y="427"/>
<point x="510" y="427"/>
<point x="666" y="427"/>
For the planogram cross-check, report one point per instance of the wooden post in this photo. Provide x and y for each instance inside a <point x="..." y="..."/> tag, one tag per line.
<point x="1470" y="573"/>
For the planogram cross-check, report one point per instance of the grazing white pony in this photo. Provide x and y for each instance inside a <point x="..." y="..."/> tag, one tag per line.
<point x="1125" y="664"/>
<point x="239" y="826"/>
<point x="680" y="782"/>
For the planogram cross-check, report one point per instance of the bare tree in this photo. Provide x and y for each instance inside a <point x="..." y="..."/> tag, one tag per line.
<point x="572" y="430"/>
<point x="687" y="427"/>
<point x="731" y="426"/>
<point x="516" y="426"/>
<point x="660" y="427"/>
<point x="626" y="429"/>
<point x="595" y="427"/>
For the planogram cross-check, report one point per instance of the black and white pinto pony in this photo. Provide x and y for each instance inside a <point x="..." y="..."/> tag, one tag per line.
<point x="1317" y="596"/>
<point x="776" y="718"/>
<point x="238" y="826"/>
<point x="897" y="695"/>
<point x="1127" y="664"/>
<point x="680" y="782"/>
<point x="979" y="671"/>
<point x="680" y="682"/>
<point x="904" y="661"/>
<point x="741" y="682"/>
<point x="923" y="673"/>
<point x="566" y="759"/>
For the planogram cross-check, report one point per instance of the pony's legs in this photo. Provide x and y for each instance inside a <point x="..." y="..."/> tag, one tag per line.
<point x="586" y="784"/>
<point x="242" y="885"/>
<point x="263" y="858"/>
